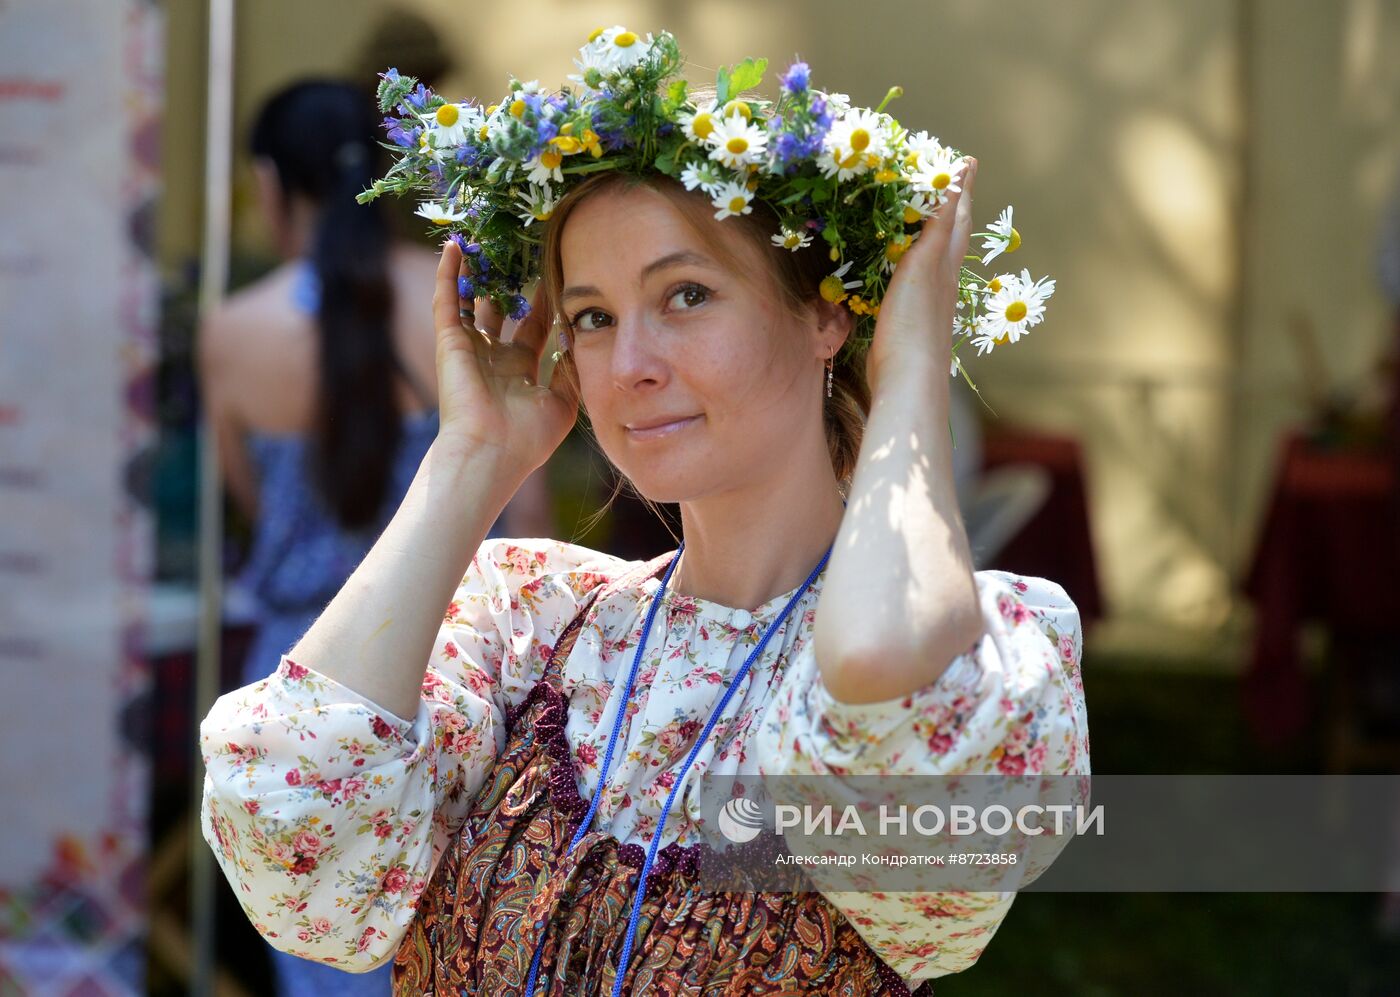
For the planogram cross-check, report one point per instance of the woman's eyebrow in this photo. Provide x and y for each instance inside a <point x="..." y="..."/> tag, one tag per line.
<point x="678" y="258"/>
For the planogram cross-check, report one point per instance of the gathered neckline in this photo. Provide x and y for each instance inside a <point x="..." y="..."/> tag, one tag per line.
<point x="711" y="610"/>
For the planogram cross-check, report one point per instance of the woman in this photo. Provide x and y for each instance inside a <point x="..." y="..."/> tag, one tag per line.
<point x="319" y="472"/>
<point x="417" y="777"/>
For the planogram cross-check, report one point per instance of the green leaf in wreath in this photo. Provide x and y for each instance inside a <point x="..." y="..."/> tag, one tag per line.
<point x="747" y="75"/>
<point x="675" y="97"/>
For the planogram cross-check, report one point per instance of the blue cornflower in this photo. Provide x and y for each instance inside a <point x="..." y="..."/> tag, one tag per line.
<point x="418" y="99"/>
<point x="795" y="80"/>
<point x="406" y="137"/>
<point x="786" y="149"/>
<point x="465" y="288"/>
<point x="519" y="307"/>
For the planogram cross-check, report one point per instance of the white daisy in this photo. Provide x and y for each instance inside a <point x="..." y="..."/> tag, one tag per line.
<point x="835" y="290"/>
<point x="619" y="49"/>
<point x="537" y="203"/>
<point x="841" y="163"/>
<point x="856" y="143"/>
<point x="1003" y="238"/>
<point x="836" y="103"/>
<point x="788" y="239"/>
<point x="732" y="199"/>
<point x="921" y="145"/>
<point x="450" y="123"/>
<point x="966" y="326"/>
<point x="864" y="131"/>
<point x="895" y="250"/>
<point x="426" y="146"/>
<point x="1016" y="306"/>
<point x="984" y="342"/>
<point x="439" y="215"/>
<point x="593" y="55"/>
<point x="495" y="123"/>
<point x="736" y="142"/>
<point x="699" y="123"/>
<point x="938" y="176"/>
<point x="544" y="166"/>
<point x="704" y="174"/>
<point x="918" y="207"/>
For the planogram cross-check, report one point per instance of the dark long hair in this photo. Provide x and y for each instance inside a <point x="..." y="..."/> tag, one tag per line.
<point x="322" y="137"/>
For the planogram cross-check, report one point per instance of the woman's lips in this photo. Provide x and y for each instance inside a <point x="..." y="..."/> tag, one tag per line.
<point x="657" y="432"/>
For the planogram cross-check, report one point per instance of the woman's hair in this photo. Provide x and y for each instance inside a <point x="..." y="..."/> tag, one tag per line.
<point x="796" y="276"/>
<point x="322" y="137"/>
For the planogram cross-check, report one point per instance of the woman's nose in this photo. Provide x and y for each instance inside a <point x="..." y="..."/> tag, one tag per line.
<point x="636" y="359"/>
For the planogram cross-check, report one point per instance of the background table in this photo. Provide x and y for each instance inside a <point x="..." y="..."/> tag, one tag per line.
<point x="1057" y="543"/>
<point x="1327" y="551"/>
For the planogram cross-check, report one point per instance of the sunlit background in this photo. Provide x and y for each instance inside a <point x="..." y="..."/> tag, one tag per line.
<point x="1204" y="180"/>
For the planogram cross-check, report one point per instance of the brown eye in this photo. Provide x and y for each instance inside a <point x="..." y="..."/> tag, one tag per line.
<point x="691" y="295"/>
<point x="576" y="323"/>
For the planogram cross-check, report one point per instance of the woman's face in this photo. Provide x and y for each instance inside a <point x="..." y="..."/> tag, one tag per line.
<point x="662" y="333"/>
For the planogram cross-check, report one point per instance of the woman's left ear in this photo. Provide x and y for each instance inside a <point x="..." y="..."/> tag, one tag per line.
<point x="834" y="325"/>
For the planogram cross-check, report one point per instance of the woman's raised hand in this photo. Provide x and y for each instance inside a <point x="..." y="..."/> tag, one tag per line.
<point x="488" y="394"/>
<point x="915" y="327"/>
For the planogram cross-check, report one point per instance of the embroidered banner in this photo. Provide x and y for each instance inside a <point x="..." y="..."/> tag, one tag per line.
<point x="80" y="99"/>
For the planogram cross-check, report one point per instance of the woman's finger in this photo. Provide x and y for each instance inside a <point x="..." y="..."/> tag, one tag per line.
<point x="532" y="331"/>
<point x="466" y="306"/>
<point x="962" y="227"/>
<point x="564" y="386"/>
<point x="938" y="226"/>
<point x="446" y="318"/>
<point x="962" y="221"/>
<point x="489" y="318"/>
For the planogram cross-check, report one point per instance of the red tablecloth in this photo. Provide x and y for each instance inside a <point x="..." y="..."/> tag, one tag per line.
<point x="1327" y="552"/>
<point x="1056" y="543"/>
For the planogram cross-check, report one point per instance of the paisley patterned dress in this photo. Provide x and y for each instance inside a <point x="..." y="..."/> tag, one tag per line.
<point x="482" y="916"/>
<point x="354" y="836"/>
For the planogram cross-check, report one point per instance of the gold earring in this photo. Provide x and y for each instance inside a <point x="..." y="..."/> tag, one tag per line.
<point x="830" y="366"/>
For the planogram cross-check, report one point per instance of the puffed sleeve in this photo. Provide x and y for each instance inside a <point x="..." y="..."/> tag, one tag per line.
<point x="1013" y="703"/>
<point x="328" y="813"/>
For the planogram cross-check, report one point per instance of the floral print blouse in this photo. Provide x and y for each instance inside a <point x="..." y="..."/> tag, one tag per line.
<point x="328" y="813"/>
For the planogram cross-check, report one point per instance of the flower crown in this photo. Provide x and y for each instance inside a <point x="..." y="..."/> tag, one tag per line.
<point x="852" y="177"/>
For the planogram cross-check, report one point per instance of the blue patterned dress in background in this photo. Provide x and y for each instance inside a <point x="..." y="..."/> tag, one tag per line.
<point x="299" y="558"/>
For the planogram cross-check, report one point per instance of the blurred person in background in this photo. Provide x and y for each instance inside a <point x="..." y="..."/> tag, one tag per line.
<point x="320" y="383"/>
<point x="1388" y="278"/>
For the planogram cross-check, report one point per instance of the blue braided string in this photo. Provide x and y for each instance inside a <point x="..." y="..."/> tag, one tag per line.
<point x="612" y="742"/>
<point x="666" y="810"/>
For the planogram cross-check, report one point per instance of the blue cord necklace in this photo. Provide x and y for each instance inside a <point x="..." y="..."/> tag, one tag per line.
<point x="666" y="810"/>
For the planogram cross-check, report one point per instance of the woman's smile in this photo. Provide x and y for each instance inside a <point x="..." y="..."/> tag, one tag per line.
<point x="654" y="432"/>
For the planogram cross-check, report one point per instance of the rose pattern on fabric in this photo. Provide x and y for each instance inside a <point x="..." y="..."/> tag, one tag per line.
<point x="330" y="815"/>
